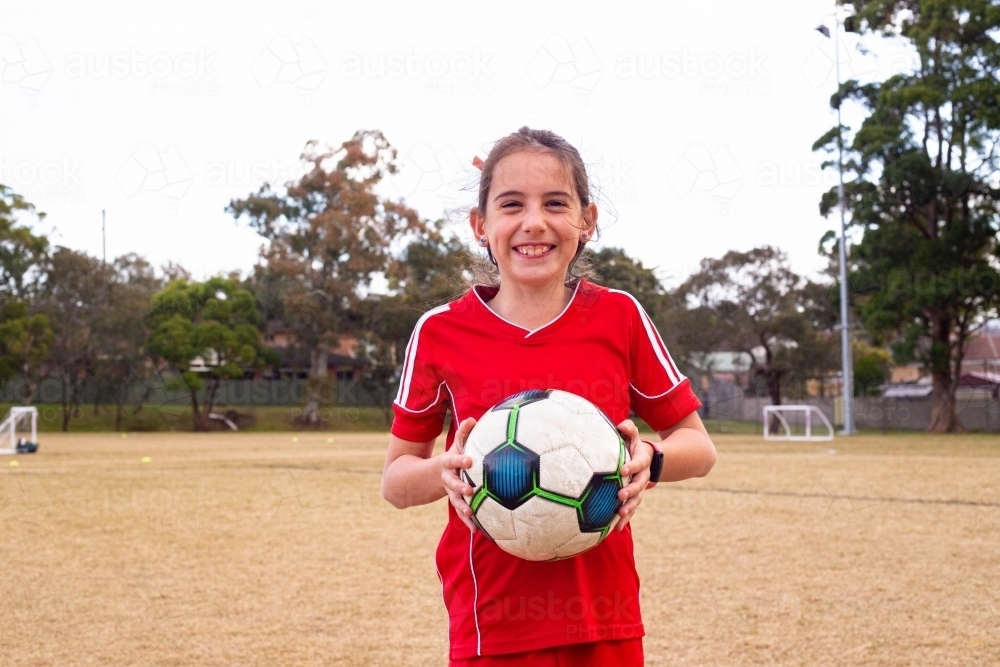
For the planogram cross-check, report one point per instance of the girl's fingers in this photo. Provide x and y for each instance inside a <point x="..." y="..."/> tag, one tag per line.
<point x="454" y="461"/>
<point x="640" y="477"/>
<point x="463" y="510"/>
<point x="462" y="434"/>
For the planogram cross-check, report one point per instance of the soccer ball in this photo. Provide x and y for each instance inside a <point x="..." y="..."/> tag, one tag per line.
<point x="545" y="474"/>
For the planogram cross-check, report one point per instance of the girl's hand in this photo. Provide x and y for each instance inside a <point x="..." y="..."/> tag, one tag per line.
<point x="453" y="461"/>
<point x="638" y="468"/>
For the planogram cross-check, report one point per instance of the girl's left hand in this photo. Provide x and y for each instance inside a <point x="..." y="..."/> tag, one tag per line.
<point x="642" y="455"/>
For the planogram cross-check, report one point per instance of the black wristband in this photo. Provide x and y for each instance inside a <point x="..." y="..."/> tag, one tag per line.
<point x="656" y="466"/>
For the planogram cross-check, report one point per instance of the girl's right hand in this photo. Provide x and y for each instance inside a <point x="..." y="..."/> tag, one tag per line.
<point x="453" y="461"/>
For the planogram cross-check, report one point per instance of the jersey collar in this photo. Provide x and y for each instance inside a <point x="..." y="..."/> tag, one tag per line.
<point x="484" y="293"/>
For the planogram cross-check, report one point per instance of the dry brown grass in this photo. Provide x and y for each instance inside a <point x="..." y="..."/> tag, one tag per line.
<point x="254" y="550"/>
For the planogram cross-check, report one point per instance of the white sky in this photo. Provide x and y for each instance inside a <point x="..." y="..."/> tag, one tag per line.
<point x="163" y="114"/>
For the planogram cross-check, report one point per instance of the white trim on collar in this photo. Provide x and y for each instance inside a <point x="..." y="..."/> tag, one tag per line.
<point x="475" y="290"/>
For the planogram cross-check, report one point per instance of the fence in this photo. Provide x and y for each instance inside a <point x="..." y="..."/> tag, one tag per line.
<point x="154" y="393"/>
<point x="977" y="411"/>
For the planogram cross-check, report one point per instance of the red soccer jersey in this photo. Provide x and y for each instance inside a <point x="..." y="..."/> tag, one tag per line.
<point x="465" y="358"/>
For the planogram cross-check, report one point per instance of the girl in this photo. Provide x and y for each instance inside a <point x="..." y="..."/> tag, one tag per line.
<point x="538" y="327"/>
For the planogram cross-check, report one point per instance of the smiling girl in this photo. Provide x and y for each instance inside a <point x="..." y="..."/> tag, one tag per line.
<point x="539" y="327"/>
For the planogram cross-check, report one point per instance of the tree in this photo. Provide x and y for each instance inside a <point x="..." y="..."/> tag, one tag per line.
<point x="73" y="295"/>
<point x="329" y="234"/>
<point x="924" y="191"/>
<point x="121" y="332"/>
<point x="24" y="343"/>
<point x="25" y="336"/>
<point x="871" y="369"/>
<point x="21" y="251"/>
<point x="215" y="320"/>
<point x="751" y="301"/>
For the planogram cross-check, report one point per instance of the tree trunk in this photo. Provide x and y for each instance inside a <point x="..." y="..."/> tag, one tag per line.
<point x="65" y="402"/>
<point x="943" y="416"/>
<point x="199" y="420"/>
<point x="774" y="385"/>
<point x="317" y="383"/>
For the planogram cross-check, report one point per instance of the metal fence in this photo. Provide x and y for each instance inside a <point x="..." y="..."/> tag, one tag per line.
<point x="977" y="411"/>
<point x="155" y="392"/>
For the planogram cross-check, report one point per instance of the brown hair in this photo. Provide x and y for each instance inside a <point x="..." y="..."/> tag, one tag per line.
<point x="527" y="139"/>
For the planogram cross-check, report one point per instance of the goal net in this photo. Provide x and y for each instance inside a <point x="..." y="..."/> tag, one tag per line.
<point x="796" y="422"/>
<point x="20" y="423"/>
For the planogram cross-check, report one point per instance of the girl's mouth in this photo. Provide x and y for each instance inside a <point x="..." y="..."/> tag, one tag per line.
<point x="534" y="250"/>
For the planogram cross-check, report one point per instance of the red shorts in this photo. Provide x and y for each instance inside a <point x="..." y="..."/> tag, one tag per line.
<point x="624" y="653"/>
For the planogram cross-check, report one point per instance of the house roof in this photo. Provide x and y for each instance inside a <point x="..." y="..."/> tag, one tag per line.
<point x="984" y="347"/>
<point x="979" y="379"/>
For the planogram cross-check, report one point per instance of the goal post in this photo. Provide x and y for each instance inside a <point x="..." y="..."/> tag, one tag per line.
<point x="796" y="423"/>
<point x="20" y="422"/>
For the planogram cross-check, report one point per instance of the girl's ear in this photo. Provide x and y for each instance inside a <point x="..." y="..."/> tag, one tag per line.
<point x="590" y="219"/>
<point x="478" y="223"/>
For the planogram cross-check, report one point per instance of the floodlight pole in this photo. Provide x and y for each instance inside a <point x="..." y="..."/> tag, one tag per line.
<point x="845" y="324"/>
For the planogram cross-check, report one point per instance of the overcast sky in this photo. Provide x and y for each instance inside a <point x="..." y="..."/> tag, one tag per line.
<point x="696" y="119"/>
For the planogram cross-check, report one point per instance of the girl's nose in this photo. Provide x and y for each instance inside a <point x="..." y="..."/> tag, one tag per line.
<point x="534" y="218"/>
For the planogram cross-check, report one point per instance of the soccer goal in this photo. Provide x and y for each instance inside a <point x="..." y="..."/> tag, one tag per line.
<point x="21" y="423"/>
<point x="796" y="422"/>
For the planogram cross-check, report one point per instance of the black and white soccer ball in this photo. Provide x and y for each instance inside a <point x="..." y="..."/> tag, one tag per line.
<point x="546" y="474"/>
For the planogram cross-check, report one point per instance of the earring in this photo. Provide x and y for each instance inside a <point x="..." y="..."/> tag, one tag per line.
<point x="584" y="236"/>
<point x="482" y="240"/>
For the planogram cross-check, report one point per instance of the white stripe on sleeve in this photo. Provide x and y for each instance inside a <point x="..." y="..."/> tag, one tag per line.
<point x="654" y="339"/>
<point x="403" y="395"/>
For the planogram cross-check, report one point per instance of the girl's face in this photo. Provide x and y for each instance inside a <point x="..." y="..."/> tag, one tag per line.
<point x="533" y="220"/>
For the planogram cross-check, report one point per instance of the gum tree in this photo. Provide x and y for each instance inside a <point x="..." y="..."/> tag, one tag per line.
<point x="329" y="234"/>
<point x="925" y="191"/>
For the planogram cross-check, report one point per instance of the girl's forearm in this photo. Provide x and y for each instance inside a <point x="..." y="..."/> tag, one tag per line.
<point x="412" y="480"/>
<point x="687" y="453"/>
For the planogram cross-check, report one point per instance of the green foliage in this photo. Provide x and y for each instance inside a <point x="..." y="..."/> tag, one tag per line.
<point x="216" y="320"/>
<point x="24" y="339"/>
<point x="924" y="191"/>
<point x="871" y="370"/>
<point x="21" y="252"/>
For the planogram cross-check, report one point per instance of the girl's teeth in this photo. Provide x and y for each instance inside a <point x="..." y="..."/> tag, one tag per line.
<point x="532" y="250"/>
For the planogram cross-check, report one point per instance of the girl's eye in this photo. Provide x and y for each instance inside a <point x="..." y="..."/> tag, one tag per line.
<point x="508" y="204"/>
<point x="556" y="202"/>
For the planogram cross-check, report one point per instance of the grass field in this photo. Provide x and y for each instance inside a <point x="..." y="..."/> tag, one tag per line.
<point x="254" y="549"/>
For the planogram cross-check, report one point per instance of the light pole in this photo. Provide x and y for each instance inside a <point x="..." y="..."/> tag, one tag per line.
<point x="845" y="323"/>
